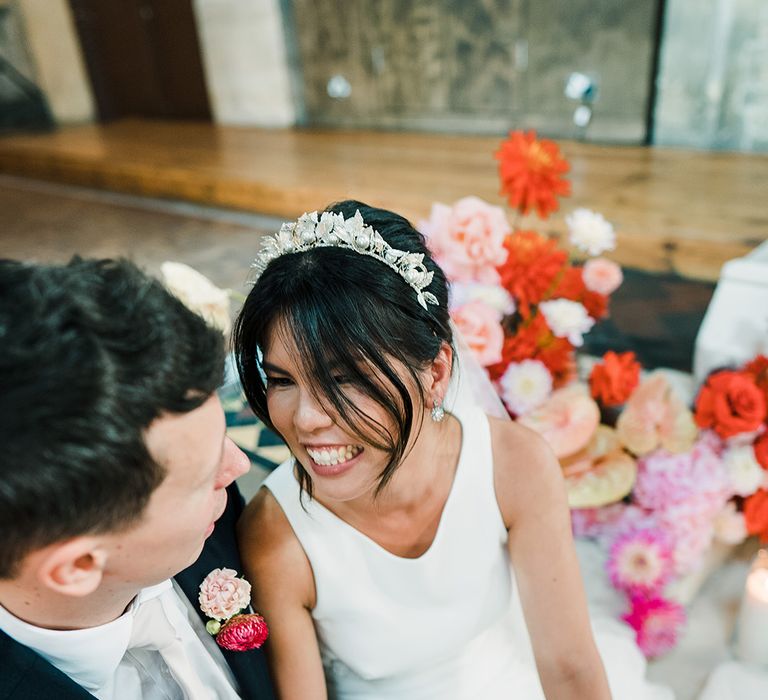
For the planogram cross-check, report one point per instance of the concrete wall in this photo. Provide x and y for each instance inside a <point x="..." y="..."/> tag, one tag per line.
<point x="244" y="55"/>
<point x="57" y="62"/>
<point x="713" y="75"/>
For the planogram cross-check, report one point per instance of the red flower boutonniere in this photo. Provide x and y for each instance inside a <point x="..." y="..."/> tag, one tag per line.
<point x="223" y="597"/>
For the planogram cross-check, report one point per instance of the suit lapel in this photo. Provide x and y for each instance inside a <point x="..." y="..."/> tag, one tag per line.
<point x="220" y="552"/>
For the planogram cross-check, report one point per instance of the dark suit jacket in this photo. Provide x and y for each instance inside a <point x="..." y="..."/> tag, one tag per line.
<point x="25" y="675"/>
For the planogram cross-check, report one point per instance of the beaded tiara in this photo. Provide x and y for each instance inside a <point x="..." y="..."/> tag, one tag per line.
<point x="333" y="230"/>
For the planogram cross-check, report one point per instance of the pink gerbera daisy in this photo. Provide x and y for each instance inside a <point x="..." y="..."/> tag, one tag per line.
<point x="641" y="562"/>
<point x="657" y="623"/>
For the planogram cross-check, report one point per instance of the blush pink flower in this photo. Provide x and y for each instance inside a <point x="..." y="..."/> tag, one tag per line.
<point x="602" y="276"/>
<point x="243" y="632"/>
<point x="641" y="562"/>
<point x="467" y="239"/>
<point x="480" y="326"/>
<point x="657" y="623"/>
<point x="655" y="416"/>
<point x="223" y="594"/>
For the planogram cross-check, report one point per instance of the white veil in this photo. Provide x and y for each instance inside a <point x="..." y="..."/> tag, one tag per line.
<point x="470" y="384"/>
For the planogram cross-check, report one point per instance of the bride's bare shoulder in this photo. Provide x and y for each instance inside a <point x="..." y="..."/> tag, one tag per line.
<point x="269" y="547"/>
<point x="526" y="471"/>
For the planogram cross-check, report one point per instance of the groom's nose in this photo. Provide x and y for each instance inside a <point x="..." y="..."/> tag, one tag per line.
<point x="234" y="463"/>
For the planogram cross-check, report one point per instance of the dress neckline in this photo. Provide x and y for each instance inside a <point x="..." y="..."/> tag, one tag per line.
<point x="463" y="422"/>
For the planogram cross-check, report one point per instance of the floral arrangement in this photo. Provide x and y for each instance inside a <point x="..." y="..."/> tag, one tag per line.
<point x="655" y="481"/>
<point x="520" y="303"/>
<point x="224" y="597"/>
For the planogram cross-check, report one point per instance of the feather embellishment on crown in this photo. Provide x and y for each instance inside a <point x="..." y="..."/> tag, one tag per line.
<point x="336" y="231"/>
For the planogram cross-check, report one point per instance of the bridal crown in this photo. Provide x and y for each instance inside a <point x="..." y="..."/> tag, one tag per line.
<point x="333" y="230"/>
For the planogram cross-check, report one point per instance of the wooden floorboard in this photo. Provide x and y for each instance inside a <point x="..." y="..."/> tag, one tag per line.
<point x="681" y="212"/>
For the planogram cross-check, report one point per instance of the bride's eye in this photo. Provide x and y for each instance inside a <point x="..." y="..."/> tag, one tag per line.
<point x="277" y="382"/>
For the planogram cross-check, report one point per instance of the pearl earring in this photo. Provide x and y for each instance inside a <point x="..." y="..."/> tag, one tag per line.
<point x="438" y="412"/>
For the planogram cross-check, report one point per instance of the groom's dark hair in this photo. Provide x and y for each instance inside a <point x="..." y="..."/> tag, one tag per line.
<point x="91" y="352"/>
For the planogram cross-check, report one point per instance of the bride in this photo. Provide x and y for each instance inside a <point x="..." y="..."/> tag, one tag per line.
<point x="413" y="547"/>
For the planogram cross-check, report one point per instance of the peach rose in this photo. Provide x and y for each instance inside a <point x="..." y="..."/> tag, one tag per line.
<point x="467" y="239"/>
<point x="656" y="417"/>
<point x="223" y="594"/>
<point x="480" y="327"/>
<point x="602" y="276"/>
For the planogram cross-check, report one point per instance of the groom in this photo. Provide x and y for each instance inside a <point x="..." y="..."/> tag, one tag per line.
<point x="117" y="494"/>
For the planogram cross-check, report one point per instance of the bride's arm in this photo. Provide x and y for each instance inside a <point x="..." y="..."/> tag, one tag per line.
<point x="531" y="494"/>
<point x="284" y="593"/>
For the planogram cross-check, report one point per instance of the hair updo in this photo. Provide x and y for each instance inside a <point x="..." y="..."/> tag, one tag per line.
<point x="348" y="313"/>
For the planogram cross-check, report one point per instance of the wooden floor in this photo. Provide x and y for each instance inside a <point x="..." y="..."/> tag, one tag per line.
<point x="682" y="212"/>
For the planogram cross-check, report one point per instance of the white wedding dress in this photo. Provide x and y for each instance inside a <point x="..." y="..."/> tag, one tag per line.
<point x="448" y="624"/>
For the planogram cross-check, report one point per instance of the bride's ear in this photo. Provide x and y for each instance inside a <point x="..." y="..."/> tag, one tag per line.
<point x="440" y="374"/>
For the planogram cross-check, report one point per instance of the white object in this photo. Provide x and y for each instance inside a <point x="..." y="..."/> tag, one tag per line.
<point x="752" y="639"/>
<point x="735" y="327"/>
<point x="734" y="681"/>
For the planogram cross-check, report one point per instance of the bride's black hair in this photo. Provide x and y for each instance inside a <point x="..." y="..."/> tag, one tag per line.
<point x="346" y="313"/>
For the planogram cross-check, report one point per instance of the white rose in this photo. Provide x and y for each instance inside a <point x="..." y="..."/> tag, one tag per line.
<point x="745" y="473"/>
<point x="494" y="296"/>
<point x="567" y="319"/>
<point x="525" y="385"/>
<point x="198" y="294"/>
<point x="590" y="231"/>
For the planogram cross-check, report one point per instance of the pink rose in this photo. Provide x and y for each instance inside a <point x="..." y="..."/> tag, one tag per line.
<point x="467" y="239"/>
<point x="480" y="327"/>
<point x="243" y="632"/>
<point x="222" y="594"/>
<point x="602" y="276"/>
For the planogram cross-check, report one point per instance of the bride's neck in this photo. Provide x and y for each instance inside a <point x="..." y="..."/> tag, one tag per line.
<point x="429" y="465"/>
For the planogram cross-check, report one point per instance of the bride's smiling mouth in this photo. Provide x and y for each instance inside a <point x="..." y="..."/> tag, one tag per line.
<point x="332" y="460"/>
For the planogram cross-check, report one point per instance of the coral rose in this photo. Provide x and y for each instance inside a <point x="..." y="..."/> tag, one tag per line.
<point x="602" y="276"/>
<point x="480" y="327"/>
<point x="730" y="403"/>
<point x="613" y="381"/>
<point x="756" y="514"/>
<point x="467" y="239"/>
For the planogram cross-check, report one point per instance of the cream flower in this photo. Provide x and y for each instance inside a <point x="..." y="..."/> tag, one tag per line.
<point x="223" y="594"/>
<point x="744" y="471"/>
<point x="494" y="296"/>
<point x="525" y="385"/>
<point x="730" y="526"/>
<point x="590" y="232"/>
<point x="567" y="319"/>
<point x="198" y="294"/>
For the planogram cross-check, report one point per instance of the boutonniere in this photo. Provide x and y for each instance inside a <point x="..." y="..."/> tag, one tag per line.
<point x="224" y="597"/>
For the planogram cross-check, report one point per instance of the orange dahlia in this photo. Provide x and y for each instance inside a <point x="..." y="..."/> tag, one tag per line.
<point x="533" y="340"/>
<point x="531" y="172"/>
<point x="533" y="263"/>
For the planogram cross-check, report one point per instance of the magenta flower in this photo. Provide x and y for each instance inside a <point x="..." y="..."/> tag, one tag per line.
<point x="641" y="562"/>
<point x="243" y="632"/>
<point x="657" y="623"/>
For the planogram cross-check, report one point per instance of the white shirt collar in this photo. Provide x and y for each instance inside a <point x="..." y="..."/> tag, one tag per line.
<point x="90" y="656"/>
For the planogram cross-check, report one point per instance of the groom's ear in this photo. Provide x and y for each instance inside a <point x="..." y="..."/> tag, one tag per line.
<point x="74" y="567"/>
<point x="440" y="373"/>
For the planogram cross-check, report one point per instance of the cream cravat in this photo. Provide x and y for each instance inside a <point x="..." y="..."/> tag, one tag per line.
<point x="152" y="630"/>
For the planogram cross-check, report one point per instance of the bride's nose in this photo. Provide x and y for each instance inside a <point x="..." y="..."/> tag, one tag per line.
<point x="310" y="414"/>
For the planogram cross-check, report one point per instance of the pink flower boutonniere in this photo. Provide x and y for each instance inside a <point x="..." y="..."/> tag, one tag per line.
<point x="223" y="597"/>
